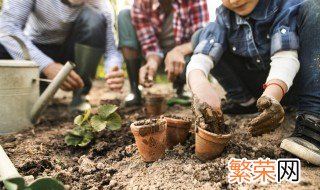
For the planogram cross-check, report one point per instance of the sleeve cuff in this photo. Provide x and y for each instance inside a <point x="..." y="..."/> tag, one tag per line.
<point x="199" y="62"/>
<point x="284" y="66"/>
<point x="211" y="48"/>
<point x="284" y="40"/>
<point x="160" y="54"/>
<point x="111" y="62"/>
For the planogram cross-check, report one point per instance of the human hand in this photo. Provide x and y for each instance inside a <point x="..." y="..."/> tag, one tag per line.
<point x="174" y="64"/>
<point x="73" y="80"/>
<point x="115" y="79"/>
<point x="147" y="73"/>
<point x="271" y="117"/>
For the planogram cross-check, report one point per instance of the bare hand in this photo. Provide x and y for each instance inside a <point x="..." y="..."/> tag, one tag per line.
<point x="174" y="64"/>
<point x="147" y="74"/>
<point x="271" y="117"/>
<point x="115" y="79"/>
<point x="72" y="82"/>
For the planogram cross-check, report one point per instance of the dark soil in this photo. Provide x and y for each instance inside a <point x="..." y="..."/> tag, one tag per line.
<point x="112" y="161"/>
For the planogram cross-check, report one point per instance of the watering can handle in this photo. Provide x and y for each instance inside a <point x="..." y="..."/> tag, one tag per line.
<point x="25" y="51"/>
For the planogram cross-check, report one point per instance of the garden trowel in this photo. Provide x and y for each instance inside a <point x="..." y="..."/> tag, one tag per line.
<point x="12" y="180"/>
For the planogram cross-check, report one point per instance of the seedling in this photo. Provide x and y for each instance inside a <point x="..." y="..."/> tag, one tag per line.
<point x="88" y="124"/>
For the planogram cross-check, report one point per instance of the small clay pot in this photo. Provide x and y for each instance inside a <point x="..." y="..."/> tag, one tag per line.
<point x="155" y="105"/>
<point x="210" y="145"/>
<point x="150" y="139"/>
<point x="177" y="131"/>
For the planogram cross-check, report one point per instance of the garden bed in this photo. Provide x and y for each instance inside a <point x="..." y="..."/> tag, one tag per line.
<point x="112" y="161"/>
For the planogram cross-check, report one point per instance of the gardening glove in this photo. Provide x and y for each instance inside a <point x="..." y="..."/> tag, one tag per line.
<point x="271" y="117"/>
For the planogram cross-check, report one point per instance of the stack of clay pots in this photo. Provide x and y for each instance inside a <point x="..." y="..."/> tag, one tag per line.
<point x="153" y="136"/>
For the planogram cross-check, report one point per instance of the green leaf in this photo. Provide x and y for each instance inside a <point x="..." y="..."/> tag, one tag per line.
<point x="78" y="120"/>
<point x="86" y="115"/>
<point x="106" y="110"/>
<point x="86" y="139"/>
<point x="114" y="122"/>
<point x="98" y="124"/>
<point x="78" y="131"/>
<point x="72" y="140"/>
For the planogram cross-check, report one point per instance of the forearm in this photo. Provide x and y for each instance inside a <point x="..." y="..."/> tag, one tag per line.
<point x="275" y="91"/>
<point x="196" y="78"/>
<point x="154" y="60"/>
<point x="185" y="48"/>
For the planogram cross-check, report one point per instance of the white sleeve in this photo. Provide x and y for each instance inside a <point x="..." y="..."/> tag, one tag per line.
<point x="199" y="62"/>
<point x="14" y="16"/>
<point x="284" y="66"/>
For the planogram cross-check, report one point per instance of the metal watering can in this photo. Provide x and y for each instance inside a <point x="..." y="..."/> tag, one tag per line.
<point x="19" y="91"/>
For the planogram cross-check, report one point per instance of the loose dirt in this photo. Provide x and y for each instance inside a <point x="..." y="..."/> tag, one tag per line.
<point x="112" y="160"/>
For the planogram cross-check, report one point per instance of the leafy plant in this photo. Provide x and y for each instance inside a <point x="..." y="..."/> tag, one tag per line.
<point x="88" y="124"/>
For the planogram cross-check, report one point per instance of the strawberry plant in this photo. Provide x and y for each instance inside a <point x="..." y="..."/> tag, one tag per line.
<point x="88" y="124"/>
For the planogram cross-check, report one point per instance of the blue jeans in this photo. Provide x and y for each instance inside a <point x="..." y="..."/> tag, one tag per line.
<point x="241" y="81"/>
<point x="88" y="29"/>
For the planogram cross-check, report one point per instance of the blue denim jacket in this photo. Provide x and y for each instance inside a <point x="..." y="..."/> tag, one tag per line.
<point x="271" y="27"/>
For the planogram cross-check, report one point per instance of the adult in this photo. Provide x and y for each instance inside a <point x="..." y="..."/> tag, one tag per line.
<point x="157" y="31"/>
<point x="57" y="31"/>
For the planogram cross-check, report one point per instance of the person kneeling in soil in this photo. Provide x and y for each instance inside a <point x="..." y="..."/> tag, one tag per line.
<point x="55" y="32"/>
<point x="237" y="48"/>
<point x="160" y="31"/>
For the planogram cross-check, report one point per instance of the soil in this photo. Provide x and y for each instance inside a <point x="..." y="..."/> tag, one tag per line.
<point x="112" y="160"/>
<point x="209" y="119"/>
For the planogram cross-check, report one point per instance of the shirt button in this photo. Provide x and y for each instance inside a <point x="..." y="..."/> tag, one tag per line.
<point x="258" y="61"/>
<point x="234" y="48"/>
<point x="283" y="31"/>
<point x="211" y="41"/>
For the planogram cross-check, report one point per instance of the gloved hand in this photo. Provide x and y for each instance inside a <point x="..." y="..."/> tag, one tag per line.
<point x="271" y="117"/>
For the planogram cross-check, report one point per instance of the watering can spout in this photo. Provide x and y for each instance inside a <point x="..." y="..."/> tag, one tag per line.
<point x="50" y="91"/>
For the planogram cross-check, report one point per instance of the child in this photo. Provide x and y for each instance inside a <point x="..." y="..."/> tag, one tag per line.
<point x="270" y="42"/>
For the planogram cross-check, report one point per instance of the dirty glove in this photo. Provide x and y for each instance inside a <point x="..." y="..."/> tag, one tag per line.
<point x="271" y="117"/>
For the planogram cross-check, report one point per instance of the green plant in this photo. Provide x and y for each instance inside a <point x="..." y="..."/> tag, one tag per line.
<point x="88" y="124"/>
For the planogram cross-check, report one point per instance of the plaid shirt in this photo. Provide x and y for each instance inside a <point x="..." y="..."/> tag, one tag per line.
<point x="148" y="16"/>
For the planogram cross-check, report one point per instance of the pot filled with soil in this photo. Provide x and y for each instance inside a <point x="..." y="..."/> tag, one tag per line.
<point x="212" y="135"/>
<point x="177" y="130"/>
<point x="155" y="104"/>
<point x="150" y="137"/>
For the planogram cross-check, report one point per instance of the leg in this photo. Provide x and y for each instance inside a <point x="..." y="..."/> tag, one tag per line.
<point x="129" y="45"/>
<point x="241" y="84"/>
<point x="4" y="53"/>
<point x="85" y="46"/>
<point x="305" y="141"/>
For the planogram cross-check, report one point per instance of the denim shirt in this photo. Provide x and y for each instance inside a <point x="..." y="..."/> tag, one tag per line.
<point x="270" y="28"/>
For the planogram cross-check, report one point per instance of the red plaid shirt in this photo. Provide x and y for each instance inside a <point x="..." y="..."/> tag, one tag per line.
<point x="148" y="16"/>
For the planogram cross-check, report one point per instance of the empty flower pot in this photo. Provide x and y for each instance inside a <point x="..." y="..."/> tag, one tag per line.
<point x="150" y="137"/>
<point x="209" y="145"/>
<point x="155" y="105"/>
<point x="177" y="130"/>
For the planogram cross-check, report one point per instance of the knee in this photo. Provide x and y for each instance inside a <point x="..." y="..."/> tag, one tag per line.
<point x="309" y="11"/>
<point x="124" y="18"/>
<point x="92" y="21"/>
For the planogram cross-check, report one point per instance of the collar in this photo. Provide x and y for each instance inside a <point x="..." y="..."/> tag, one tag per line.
<point x="265" y="9"/>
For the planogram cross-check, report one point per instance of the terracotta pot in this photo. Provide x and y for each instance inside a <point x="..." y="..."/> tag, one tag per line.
<point x="177" y="131"/>
<point x="210" y="145"/>
<point x="150" y="140"/>
<point x="155" y="105"/>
